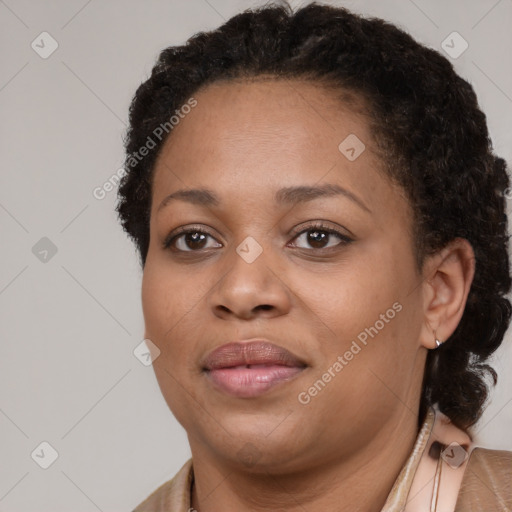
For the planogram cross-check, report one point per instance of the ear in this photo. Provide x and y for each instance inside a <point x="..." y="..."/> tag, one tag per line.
<point x="447" y="279"/>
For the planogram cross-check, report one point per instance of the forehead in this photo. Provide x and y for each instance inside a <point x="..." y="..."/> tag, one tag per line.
<point x="260" y="135"/>
<point x="287" y="116"/>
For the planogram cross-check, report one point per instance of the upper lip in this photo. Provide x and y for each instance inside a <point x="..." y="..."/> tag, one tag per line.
<point x="239" y="353"/>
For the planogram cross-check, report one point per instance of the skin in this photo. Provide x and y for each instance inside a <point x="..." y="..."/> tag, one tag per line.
<point x="344" y="449"/>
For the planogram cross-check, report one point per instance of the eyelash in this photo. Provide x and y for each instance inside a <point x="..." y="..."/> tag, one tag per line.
<point x="319" y="226"/>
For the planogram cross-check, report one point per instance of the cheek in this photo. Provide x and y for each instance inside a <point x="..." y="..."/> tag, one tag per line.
<point x="167" y="294"/>
<point x="352" y="297"/>
<point x="173" y="309"/>
<point x="370" y="313"/>
<point x="164" y="306"/>
<point x="170" y="326"/>
<point x="155" y="298"/>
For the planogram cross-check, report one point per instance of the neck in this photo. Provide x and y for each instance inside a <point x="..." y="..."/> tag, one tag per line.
<point x="359" y="482"/>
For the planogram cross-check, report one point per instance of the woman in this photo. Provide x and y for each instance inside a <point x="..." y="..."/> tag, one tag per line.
<point x="321" y="225"/>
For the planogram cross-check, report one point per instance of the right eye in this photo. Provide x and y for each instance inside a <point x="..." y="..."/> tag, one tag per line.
<point x="189" y="239"/>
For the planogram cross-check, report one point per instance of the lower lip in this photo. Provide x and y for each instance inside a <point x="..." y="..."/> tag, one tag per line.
<point x="250" y="382"/>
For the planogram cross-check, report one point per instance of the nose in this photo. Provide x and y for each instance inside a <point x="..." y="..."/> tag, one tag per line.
<point x="249" y="289"/>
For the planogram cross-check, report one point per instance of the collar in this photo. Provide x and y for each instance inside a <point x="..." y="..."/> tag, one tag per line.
<point x="397" y="497"/>
<point x="409" y="487"/>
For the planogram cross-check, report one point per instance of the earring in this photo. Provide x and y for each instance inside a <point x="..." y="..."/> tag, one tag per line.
<point x="438" y="342"/>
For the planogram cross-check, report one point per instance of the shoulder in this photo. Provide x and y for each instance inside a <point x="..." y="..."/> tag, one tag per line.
<point x="487" y="482"/>
<point x="172" y="496"/>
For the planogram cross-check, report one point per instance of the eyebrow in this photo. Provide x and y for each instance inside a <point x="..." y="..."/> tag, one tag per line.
<point x="287" y="195"/>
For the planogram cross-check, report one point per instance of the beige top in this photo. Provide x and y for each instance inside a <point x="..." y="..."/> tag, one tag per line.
<point x="434" y="477"/>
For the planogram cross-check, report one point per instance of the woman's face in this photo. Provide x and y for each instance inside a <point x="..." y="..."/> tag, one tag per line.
<point x="344" y="310"/>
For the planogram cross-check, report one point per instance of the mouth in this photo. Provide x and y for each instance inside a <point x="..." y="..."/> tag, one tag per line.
<point x="250" y="368"/>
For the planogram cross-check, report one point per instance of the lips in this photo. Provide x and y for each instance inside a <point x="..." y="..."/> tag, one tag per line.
<point x="250" y="368"/>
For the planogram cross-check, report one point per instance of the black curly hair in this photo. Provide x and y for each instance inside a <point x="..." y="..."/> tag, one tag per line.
<point x="428" y="128"/>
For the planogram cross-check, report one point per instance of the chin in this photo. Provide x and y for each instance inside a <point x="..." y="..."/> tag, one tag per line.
<point x="259" y="443"/>
<point x="262" y="457"/>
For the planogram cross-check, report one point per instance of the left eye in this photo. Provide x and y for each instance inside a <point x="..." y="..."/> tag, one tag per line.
<point x="317" y="237"/>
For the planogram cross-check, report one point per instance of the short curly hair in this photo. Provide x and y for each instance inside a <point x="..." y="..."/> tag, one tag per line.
<point x="431" y="134"/>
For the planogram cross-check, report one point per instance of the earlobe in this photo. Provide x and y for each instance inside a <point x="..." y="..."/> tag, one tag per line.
<point x="449" y="274"/>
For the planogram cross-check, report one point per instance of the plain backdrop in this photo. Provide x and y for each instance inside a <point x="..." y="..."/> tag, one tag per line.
<point x="70" y="278"/>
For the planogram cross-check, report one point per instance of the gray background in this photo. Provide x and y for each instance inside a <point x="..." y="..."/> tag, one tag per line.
<point x="70" y="323"/>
